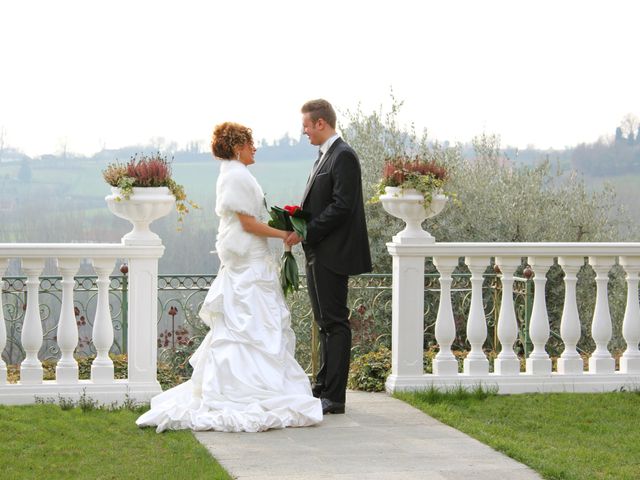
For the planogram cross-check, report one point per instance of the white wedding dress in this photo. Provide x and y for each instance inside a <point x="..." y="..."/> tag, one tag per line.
<point x="245" y="377"/>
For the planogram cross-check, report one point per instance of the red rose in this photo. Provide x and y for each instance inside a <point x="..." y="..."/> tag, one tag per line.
<point x="291" y="209"/>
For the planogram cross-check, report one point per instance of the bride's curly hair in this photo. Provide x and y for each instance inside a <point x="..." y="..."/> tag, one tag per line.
<point x="227" y="136"/>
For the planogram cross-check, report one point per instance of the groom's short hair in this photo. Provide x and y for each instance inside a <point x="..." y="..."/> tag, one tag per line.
<point x="318" y="109"/>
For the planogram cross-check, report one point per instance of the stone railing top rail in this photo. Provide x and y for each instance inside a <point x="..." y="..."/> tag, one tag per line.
<point x="78" y="250"/>
<point x="554" y="249"/>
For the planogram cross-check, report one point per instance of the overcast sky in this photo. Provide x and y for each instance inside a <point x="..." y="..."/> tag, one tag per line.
<point x="93" y="74"/>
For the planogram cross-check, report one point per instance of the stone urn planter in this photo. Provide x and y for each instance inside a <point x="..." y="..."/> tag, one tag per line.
<point x="408" y="205"/>
<point x="145" y="205"/>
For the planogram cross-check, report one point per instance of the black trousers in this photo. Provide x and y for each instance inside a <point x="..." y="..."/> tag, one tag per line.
<point x="328" y="294"/>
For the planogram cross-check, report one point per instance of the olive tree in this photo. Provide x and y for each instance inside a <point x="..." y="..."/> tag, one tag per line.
<point x="497" y="201"/>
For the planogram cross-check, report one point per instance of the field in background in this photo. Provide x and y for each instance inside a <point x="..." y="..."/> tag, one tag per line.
<point x="282" y="181"/>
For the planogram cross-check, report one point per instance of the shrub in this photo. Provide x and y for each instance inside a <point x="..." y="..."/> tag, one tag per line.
<point x="368" y="372"/>
<point x="166" y="376"/>
<point x="177" y="358"/>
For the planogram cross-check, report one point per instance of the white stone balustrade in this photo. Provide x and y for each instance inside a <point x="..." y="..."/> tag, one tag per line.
<point x="407" y="320"/>
<point x="141" y="383"/>
<point x="507" y="376"/>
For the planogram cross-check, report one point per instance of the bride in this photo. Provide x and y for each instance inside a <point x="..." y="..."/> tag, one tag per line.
<point x="245" y="378"/>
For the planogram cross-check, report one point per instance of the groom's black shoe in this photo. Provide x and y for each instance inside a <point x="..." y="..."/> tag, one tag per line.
<point x="329" y="406"/>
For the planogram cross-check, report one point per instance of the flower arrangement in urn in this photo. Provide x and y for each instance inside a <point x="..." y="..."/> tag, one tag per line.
<point x="146" y="171"/>
<point x="412" y="189"/>
<point x="426" y="177"/>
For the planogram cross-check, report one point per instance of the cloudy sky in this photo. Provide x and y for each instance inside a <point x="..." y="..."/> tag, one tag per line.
<point x="94" y="74"/>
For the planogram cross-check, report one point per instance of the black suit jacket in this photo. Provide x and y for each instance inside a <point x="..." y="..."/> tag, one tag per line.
<point x="337" y="232"/>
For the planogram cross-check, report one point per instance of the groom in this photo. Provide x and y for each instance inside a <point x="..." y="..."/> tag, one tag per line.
<point x="336" y="246"/>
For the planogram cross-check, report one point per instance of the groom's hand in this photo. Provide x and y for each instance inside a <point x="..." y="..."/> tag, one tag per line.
<point x="293" y="239"/>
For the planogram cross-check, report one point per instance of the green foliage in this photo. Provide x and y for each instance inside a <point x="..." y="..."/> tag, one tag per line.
<point x="502" y="202"/>
<point x="168" y="377"/>
<point x="369" y="371"/>
<point x="289" y="277"/>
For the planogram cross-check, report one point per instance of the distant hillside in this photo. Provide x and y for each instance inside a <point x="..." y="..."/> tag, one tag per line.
<point x="283" y="149"/>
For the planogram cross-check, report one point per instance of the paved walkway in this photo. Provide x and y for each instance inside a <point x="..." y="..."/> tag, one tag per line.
<point x="379" y="438"/>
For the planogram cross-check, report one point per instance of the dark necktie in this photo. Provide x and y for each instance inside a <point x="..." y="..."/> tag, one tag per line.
<point x="313" y="171"/>
<point x="315" y="164"/>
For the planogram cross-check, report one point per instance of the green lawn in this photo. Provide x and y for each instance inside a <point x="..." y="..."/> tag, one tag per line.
<point x="47" y="442"/>
<point x="561" y="436"/>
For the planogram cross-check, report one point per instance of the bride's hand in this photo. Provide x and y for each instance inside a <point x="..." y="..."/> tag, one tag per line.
<point x="293" y="239"/>
<point x="285" y="235"/>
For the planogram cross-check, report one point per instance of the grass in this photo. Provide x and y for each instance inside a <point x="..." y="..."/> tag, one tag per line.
<point x="47" y="441"/>
<point x="561" y="436"/>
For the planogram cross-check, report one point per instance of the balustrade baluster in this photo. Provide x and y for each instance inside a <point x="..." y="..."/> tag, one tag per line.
<point x="3" y="327"/>
<point x="67" y="367"/>
<point x="601" y="360"/>
<point x="507" y="362"/>
<point x="476" y="362"/>
<point x="445" y="362"/>
<point x="570" y="361"/>
<point x="31" y="337"/>
<point x="630" y="361"/>
<point x="539" y="362"/>
<point x="102" y="366"/>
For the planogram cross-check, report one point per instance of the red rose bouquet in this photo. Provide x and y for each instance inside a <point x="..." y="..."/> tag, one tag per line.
<point x="289" y="218"/>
